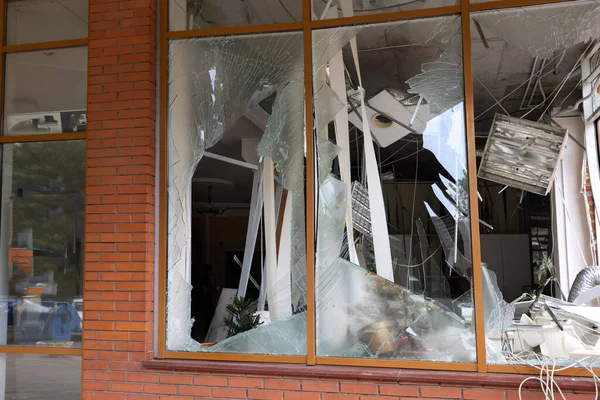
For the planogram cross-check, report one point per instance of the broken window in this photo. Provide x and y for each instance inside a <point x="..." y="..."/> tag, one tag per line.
<point x="393" y="259"/>
<point x="325" y="9"/>
<point x="538" y="243"/>
<point x="203" y="14"/>
<point x="236" y="219"/>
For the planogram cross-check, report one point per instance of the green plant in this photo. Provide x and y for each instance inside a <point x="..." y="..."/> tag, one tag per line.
<point x="241" y="316"/>
<point x="546" y="274"/>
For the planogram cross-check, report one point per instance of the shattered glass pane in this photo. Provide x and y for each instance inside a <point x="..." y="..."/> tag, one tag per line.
<point x="234" y="103"/>
<point x="361" y="310"/>
<point x="535" y="235"/>
<point x="326" y="9"/>
<point x="205" y="14"/>
<point x="542" y="31"/>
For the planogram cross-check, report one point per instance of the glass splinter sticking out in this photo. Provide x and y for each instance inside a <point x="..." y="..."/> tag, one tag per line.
<point x="398" y="172"/>
<point x="539" y="238"/>
<point x="236" y="160"/>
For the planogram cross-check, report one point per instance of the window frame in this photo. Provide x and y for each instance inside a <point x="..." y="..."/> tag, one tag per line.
<point x="28" y="47"/>
<point x="307" y="26"/>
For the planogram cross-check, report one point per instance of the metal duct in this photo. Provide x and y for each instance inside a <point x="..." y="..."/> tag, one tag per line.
<point x="588" y="278"/>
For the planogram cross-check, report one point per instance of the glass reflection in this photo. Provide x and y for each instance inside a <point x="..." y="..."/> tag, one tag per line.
<point x="40" y="377"/>
<point x="326" y="9"/>
<point x="190" y="15"/>
<point x="41" y="243"/>
<point x="45" y="92"/>
<point x="31" y="21"/>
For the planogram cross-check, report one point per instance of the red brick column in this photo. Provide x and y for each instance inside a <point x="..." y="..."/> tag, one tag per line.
<point x="120" y="201"/>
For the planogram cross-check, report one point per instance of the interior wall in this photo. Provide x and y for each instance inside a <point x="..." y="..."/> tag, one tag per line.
<point x="572" y="249"/>
<point x="500" y="210"/>
<point x="508" y="256"/>
<point x="399" y="200"/>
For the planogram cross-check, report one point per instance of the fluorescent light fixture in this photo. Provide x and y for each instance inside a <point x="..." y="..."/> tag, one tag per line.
<point x="522" y="154"/>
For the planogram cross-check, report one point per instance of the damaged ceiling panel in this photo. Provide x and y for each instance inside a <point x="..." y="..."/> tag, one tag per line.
<point x="542" y="31"/>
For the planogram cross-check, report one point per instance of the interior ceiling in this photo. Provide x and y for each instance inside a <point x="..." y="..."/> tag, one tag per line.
<point x="500" y="68"/>
<point x="221" y="13"/>
<point x="388" y="57"/>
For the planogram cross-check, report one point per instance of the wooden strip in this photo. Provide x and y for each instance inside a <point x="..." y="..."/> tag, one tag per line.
<point x="235" y="30"/>
<point x="310" y="189"/>
<point x="236" y="357"/>
<point x="51" y="137"/>
<point x="59" y="44"/>
<point x="65" y="351"/>
<point x="385" y="17"/>
<point x="162" y="185"/>
<point x="2" y="61"/>
<point x="473" y="199"/>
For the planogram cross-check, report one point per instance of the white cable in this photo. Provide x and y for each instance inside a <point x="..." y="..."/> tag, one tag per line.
<point x="418" y="265"/>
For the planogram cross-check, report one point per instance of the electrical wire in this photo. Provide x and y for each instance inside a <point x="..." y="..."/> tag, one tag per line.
<point x="420" y="264"/>
<point x="287" y="11"/>
<point x="514" y="90"/>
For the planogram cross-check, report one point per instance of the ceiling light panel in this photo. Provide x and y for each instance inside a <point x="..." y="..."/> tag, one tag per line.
<point x="522" y="154"/>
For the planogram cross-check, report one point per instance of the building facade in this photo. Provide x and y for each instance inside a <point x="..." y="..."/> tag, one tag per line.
<point x="175" y="224"/>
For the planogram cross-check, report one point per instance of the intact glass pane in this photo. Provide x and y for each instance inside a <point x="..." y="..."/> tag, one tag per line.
<point x="326" y="9"/>
<point x="41" y="243"/>
<point x="32" y="21"/>
<point x="236" y="222"/>
<point x="393" y="259"/>
<point x="539" y="246"/>
<point x="203" y="14"/>
<point x="45" y="92"/>
<point x="40" y="377"/>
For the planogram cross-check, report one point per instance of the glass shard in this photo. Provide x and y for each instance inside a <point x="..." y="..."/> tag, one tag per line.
<point x="223" y="90"/>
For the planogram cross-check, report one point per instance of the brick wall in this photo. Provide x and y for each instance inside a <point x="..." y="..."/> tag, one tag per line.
<point x="119" y="251"/>
<point x="163" y="385"/>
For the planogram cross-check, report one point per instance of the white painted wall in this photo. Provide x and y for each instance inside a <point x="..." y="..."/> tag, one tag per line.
<point x="572" y="249"/>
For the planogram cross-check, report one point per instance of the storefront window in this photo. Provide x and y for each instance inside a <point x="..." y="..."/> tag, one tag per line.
<point x="41" y="236"/>
<point x="236" y="221"/>
<point x="30" y="21"/>
<point x="393" y="262"/>
<point x="396" y="120"/>
<point x="538" y="247"/>
<point x="45" y="92"/>
<point x="40" y="377"/>
<point x="324" y="9"/>
<point x="190" y="15"/>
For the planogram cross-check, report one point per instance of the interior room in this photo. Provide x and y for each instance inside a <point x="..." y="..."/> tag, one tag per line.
<point x="393" y="260"/>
